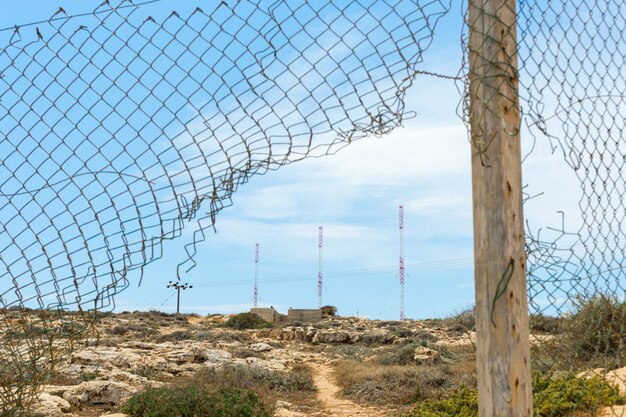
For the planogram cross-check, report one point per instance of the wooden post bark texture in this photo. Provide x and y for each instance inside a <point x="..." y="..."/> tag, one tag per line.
<point x="503" y="347"/>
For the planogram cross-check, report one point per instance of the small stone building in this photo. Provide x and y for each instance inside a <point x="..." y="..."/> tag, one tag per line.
<point x="302" y="315"/>
<point x="268" y="314"/>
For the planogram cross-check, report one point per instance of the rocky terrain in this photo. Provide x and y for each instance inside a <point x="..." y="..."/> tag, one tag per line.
<point x="338" y="367"/>
<point x="136" y="350"/>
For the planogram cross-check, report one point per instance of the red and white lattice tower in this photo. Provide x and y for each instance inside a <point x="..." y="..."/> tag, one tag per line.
<point x="256" y="274"/>
<point x="401" y="269"/>
<point x="320" y="282"/>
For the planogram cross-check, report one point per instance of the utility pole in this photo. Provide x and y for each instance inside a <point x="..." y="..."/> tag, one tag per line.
<point x="503" y="347"/>
<point x="178" y="287"/>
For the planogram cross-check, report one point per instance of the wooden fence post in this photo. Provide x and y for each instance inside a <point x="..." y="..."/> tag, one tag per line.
<point x="503" y="347"/>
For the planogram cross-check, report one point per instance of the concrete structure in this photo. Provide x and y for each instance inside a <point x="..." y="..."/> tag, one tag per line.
<point x="302" y="315"/>
<point x="268" y="314"/>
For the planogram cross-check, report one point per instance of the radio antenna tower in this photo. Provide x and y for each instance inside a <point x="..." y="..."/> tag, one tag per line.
<point x="401" y="267"/>
<point x="320" y="282"/>
<point x="256" y="275"/>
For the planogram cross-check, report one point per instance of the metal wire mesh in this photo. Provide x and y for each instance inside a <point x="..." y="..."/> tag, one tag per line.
<point x="120" y="129"/>
<point x="573" y="90"/>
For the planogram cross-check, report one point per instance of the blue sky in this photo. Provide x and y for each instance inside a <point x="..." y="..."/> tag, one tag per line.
<point x="354" y="195"/>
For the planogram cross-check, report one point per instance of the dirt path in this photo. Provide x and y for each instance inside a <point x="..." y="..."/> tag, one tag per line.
<point x="329" y="396"/>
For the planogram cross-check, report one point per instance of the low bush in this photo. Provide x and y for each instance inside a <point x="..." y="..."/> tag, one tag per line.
<point x="356" y="352"/>
<point x="139" y="330"/>
<point x="401" y="331"/>
<point x="194" y="401"/>
<point x="297" y="379"/>
<point x="545" y="324"/>
<point x="461" y="403"/>
<point x="329" y="311"/>
<point x="594" y="334"/>
<point x="219" y="336"/>
<point x="175" y="336"/>
<point x="148" y="372"/>
<point x="88" y="376"/>
<point x="377" y="383"/>
<point x="246" y="321"/>
<point x="553" y="396"/>
<point x="461" y="322"/>
<point x="243" y="353"/>
<point x="424" y="336"/>
<point x="399" y="355"/>
<point x="562" y="395"/>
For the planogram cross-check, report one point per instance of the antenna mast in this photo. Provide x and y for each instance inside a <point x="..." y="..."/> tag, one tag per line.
<point x="256" y="275"/>
<point x="401" y="266"/>
<point x="320" y="283"/>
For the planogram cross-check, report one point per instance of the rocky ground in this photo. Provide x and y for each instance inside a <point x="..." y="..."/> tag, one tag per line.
<point x="135" y="350"/>
<point x="132" y="351"/>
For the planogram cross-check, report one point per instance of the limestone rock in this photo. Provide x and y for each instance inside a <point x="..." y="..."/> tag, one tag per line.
<point x="127" y="377"/>
<point x="50" y="406"/>
<point x="614" y="411"/>
<point x="331" y="337"/>
<point x="180" y="356"/>
<point x="284" y="409"/>
<point x="424" y="355"/>
<point x="56" y="390"/>
<point x="133" y="344"/>
<point x="260" y="347"/>
<point x="376" y="338"/>
<point x="213" y="355"/>
<point x="615" y="377"/>
<point x="283" y="404"/>
<point x="283" y="412"/>
<point x="272" y="365"/>
<point x="106" y="357"/>
<point x="98" y="392"/>
<point x="286" y="334"/>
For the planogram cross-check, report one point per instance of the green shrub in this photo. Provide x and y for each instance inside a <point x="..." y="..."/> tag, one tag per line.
<point x="148" y="372"/>
<point x="545" y="324"/>
<point x="553" y="396"/>
<point x="462" y="403"/>
<point x="561" y="395"/>
<point x="174" y="336"/>
<point x="88" y="376"/>
<point x="593" y="336"/>
<point x="399" y="355"/>
<point x="246" y="321"/>
<point x="461" y="322"/>
<point x="194" y="401"/>
<point x="244" y="353"/>
<point x="356" y="352"/>
<point x="298" y="379"/>
<point x="329" y="311"/>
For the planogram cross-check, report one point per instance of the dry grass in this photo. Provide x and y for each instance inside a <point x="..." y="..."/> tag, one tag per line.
<point x="592" y="336"/>
<point x="295" y="385"/>
<point x="377" y="383"/>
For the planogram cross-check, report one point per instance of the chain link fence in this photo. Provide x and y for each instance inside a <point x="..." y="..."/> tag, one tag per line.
<point x="123" y="127"/>
<point x="573" y="93"/>
<point x="120" y="129"/>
